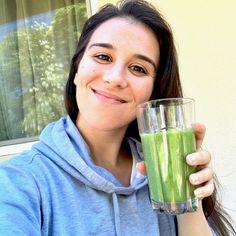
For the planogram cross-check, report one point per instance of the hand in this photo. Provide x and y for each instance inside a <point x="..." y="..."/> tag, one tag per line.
<point x="201" y="158"/>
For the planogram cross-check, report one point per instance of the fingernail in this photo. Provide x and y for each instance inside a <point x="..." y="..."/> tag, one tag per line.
<point x="191" y="159"/>
<point x="194" y="179"/>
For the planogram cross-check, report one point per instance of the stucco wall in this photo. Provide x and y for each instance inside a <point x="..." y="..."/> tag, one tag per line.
<point x="206" y="39"/>
<point x="205" y="35"/>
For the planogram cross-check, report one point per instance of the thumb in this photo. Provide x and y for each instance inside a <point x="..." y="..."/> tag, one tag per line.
<point x="140" y="166"/>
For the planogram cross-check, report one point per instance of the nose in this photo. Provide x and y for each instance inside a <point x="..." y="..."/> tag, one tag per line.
<point x="115" y="76"/>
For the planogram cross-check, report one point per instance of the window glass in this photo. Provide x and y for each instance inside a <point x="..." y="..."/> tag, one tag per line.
<point x="37" y="41"/>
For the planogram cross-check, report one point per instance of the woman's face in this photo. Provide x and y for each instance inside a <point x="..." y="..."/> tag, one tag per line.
<point x="115" y="74"/>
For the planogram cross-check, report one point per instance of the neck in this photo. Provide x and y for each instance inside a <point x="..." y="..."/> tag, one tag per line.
<point x="105" y="145"/>
<point x="107" y="150"/>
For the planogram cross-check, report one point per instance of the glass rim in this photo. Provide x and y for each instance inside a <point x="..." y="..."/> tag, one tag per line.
<point x="161" y="101"/>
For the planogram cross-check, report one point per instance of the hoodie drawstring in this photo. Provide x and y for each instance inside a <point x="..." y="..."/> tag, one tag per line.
<point x="116" y="214"/>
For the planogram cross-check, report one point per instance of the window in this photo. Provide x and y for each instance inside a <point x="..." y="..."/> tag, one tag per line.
<point x="37" y="41"/>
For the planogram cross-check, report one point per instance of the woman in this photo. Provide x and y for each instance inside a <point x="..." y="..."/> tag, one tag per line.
<point x="80" y="179"/>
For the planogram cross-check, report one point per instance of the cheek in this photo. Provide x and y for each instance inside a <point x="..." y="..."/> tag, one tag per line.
<point x="87" y="72"/>
<point x="143" y="92"/>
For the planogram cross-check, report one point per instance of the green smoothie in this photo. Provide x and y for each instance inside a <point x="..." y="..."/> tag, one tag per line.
<point x="165" y="158"/>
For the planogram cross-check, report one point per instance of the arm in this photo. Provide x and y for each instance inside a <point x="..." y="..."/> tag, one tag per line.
<point x="193" y="224"/>
<point x="19" y="203"/>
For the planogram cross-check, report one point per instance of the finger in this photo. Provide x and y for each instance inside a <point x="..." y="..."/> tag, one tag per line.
<point x="202" y="176"/>
<point x="198" y="158"/>
<point x="141" y="168"/>
<point x="200" y="131"/>
<point x="205" y="191"/>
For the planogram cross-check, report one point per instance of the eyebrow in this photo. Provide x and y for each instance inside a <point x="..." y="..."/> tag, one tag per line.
<point x="103" y="45"/>
<point x="144" y="58"/>
<point x="139" y="56"/>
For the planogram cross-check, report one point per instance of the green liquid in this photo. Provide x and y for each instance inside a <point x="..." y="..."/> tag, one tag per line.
<point x="165" y="158"/>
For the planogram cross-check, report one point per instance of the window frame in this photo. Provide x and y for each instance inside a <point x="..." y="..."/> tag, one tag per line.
<point x="14" y="149"/>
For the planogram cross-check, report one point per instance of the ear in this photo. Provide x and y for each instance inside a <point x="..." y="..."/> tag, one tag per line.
<point x="76" y="79"/>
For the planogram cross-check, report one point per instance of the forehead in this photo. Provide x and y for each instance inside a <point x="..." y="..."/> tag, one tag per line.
<point x="126" y="32"/>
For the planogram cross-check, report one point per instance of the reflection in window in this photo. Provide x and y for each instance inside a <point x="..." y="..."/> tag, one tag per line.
<point x="37" y="41"/>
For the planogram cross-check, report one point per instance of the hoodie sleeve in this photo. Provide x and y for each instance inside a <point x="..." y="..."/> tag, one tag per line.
<point x="19" y="203"/>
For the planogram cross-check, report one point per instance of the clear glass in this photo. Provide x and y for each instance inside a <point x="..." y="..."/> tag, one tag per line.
<point x="167" y="137"/>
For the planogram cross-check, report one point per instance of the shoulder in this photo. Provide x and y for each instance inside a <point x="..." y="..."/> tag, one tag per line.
<point x="21" y="161"/>
<point x="19" y="196"/>
<point x="17" y="168"/>
<point x="17" y="182"/>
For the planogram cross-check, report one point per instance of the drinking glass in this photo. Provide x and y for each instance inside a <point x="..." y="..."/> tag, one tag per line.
<point x="167" y="136"/>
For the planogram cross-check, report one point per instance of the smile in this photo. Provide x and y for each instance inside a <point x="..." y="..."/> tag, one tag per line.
<point x="107" y="97"/>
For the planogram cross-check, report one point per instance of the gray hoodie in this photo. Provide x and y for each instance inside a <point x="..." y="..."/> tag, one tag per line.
<point x="55" y="189"/>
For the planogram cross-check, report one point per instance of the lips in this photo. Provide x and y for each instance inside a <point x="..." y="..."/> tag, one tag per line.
<point x="108" y="97"/>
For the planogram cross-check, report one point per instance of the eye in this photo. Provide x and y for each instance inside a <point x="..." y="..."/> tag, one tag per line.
<point x="138" y="69"/>
<point x="103" y="57"/>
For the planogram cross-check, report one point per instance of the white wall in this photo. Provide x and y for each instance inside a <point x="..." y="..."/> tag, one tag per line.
<point x="205" y="33"/>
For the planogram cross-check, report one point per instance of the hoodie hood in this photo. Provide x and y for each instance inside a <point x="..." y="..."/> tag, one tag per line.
<point x="64" y="193"/>
<point x="61" y="142"/>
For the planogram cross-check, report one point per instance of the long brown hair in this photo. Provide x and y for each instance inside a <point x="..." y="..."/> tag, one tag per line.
<point x="167" y="81"/>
